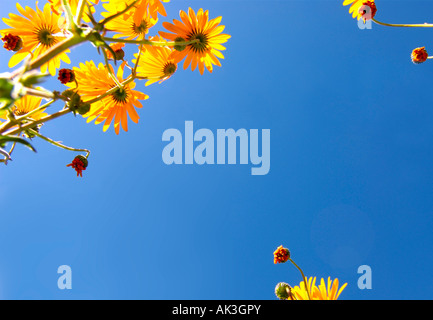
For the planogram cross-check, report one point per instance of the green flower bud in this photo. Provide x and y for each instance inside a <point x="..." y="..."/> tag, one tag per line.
<point x="179" y="47"/>
<point x="282" y="291"/>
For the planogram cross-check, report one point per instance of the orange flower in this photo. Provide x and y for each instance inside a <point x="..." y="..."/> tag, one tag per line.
<point x="155" y="63"/>
<point x="206" y="51"/>
<point x="39" y="30"/>
<point x="94" y="82"/>
<point x="281" y="255"/>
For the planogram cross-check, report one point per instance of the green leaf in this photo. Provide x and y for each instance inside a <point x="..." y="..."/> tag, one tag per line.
<point x="17" y="139"/>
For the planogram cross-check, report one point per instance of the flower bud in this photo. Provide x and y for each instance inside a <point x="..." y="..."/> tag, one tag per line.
<point x="66" y="76"/>
<point x="83" y="108"/>
<point x="80" y="164"/>
<point x="368" y="10"/>
<point x="282" y="291"/>
<point x="12" y="42"/>
<point x="281" y="255"/>
<point x="419" y="55"/>
<point x="119" y="54"/>
<point x="179" y="47"/>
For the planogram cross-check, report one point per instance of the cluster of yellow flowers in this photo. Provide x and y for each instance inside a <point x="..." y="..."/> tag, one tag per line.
<point x="42" y="38"/>
<point x="307" y="289"/>
<point x="366" y="10"/>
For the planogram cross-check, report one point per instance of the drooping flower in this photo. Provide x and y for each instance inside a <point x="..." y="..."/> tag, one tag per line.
<point x="155" y="63"/>
<point x="117" y="106"/>
<point x="206" y="51"/>
<point x="419" y="55"/>
<point x="80" y="163"/>
<point x="361" y="9"/>
<point x="39" y="31"/>
<point x="321" y="292"/>
<point x="281" y="255"/>
<point x="134" y="24"/>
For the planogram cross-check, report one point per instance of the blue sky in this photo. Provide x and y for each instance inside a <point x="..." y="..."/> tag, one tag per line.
<point x="350" y="180"/>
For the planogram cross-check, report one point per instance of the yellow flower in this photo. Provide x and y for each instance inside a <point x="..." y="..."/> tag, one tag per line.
<point x="329" y="291"/>
<point x="154" y="6"/>
<point x="133" y="24"/>
<point x="321" y="292"/>
<point x="155" y="63"/>
<point x="94" y="81"/>
<point x="358" y="8"/>
<point x="206" y="51"/>
<point x="57" y="7"/>
<point x="24" y="105"/>
<point x="39" y="31"/>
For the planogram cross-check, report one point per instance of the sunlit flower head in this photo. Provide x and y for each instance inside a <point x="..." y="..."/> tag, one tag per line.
<point x="39" y="31"/>
<point x="328" y="291"/>
<point x="206" y="51"/>
<point x="134" y="24"/>
<point x="56" y="6"/>
<point x="419" y="55"/>
<point x="27" y="104"/>
<point x="155" y="7"/>
<point x="116" y="107"/>
<point x="155" y="63"/>
<point x="361" y="9"/>
<point x="281" y="255"/>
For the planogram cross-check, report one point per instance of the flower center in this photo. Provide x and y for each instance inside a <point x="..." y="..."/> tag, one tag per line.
<point x="140" y="29"/>
<point x="19" y="112"/>
<point x="201" y="45"/>
<point x="45" y="37"/>
<point x="169" y="69"/>
<point x="120" y="95"/>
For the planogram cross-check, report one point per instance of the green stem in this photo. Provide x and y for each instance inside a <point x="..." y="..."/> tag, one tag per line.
<point x="423" y="25"/>
<point x="114" y="16"/>
<point x="303" y="277"/>
<point x="153" y="43"/>
<point x="80" y="12"/>
<point x="134" y="70"/>
<point x="110" y="70"/>
<point x="39" y="93"/>
<point x="58" y="144"/>
<point x="69" y="16"/>
<point x="34" y="123"/>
